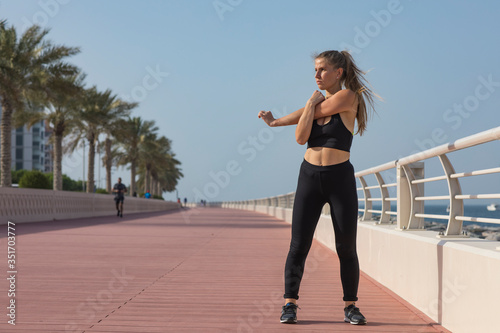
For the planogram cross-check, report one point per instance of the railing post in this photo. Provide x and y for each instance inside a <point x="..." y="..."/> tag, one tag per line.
<point x="368" y="204"/>
<point x="416" y="171"/>
<point x="454" y="228"/>
<point x="406" y="193"/>
<point x="386" y="205"/>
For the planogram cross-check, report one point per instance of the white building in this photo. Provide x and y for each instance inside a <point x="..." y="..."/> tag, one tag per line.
<point x="30" y="149"/>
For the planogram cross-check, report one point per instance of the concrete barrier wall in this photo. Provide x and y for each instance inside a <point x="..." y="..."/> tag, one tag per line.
<point x="34" y="205"/>
<point x="455" y="281"/>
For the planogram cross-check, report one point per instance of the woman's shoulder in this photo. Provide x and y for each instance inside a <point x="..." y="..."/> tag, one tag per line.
<point x="347" y="96"/>
<point x="347" y="93"/>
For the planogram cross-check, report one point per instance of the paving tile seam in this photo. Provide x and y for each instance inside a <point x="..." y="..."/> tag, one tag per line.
<point x="140" y="292"/>
<point x="151" y="284"/>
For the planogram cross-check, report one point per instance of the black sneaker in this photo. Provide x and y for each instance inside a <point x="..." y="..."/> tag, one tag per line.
<point x="353" y="316"/>
<point x="117" y="213"/>
<point x="121" y="215"/>
<point x="289" y="314"/>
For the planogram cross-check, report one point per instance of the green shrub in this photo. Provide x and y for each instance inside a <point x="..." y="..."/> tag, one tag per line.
<point x="35" y="179"/>
<point x="75" y="186"/>
<point x="16" y="175"/>
<point x="157" y="197"/>
<point x="50" y="177"/>
<point x="71" y="185"/>
<point x="101" y="191"/>
<point x="68" y="183"/>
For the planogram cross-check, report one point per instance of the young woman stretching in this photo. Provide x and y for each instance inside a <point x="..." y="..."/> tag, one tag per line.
<point x="326" y="175"/>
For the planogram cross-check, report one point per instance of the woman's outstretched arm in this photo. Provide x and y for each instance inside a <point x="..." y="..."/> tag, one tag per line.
<point x="289" y="119"/>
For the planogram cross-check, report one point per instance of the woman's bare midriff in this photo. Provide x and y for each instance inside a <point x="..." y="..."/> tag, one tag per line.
<point x="325" y="156"/>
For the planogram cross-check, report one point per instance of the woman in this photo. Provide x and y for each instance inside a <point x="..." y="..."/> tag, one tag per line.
<point x="326" y="124"/>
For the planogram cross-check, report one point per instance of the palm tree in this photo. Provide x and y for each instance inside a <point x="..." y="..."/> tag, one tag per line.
<point x="99" y="109"/>
<point x="158" y="166"/>
<point x="134" y="134"/>
<point x="61" y="110"/>
<point x="165" y="174"/>
<point x="171" y="174"/>
<point x="150" y="154"/>
<point x="27" y="66"/>
<point x="114" y="128"/>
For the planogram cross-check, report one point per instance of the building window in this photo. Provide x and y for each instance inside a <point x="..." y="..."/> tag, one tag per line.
<point x="36" y="130"/>
<point x="20" y="129"/>
<point x="19" y="140"/>
<point x="19" y="165"/>
<point x="19" y="153"/>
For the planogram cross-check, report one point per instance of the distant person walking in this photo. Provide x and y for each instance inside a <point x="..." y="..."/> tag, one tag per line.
<point x="147" y="195"/>
<point x="326" y="124"/>
<point x="119" y="190"/>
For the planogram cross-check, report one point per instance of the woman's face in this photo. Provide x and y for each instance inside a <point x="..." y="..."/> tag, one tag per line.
<point x="326" y="75"/>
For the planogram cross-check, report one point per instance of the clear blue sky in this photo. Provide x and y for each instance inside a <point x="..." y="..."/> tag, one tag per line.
<point x="218" y="63"/>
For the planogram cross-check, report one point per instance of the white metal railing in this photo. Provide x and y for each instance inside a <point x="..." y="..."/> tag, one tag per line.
<point x="410" y="182"/>
<point x="410" y="187"/>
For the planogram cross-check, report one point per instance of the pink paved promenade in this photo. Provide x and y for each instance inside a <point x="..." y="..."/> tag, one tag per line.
<point x="196" y="270"/>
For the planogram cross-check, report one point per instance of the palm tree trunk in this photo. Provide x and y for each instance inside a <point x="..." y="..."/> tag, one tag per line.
<point x="109" y="162"/>
<point x="146" y="180"/>
<point x="58" y="182"/>
<point x="150" y="181"/>
<point x="6" y="129"/>
<point x="158" y="189"/>
<point x="132" y="178"/>
<point x="90" y="175"/>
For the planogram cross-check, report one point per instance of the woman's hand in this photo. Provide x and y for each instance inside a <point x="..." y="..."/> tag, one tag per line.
<point x="268" y="117"/>
<point x="316" y="98"/>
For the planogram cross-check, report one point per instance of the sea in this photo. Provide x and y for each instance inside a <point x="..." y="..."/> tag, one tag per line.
<point x="469" y="210"/>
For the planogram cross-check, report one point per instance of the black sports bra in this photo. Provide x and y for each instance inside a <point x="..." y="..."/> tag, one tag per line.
<point x="333" y="134"/>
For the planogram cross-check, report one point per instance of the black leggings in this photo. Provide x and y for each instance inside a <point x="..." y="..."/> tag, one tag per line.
<point x="318" y="185"/>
